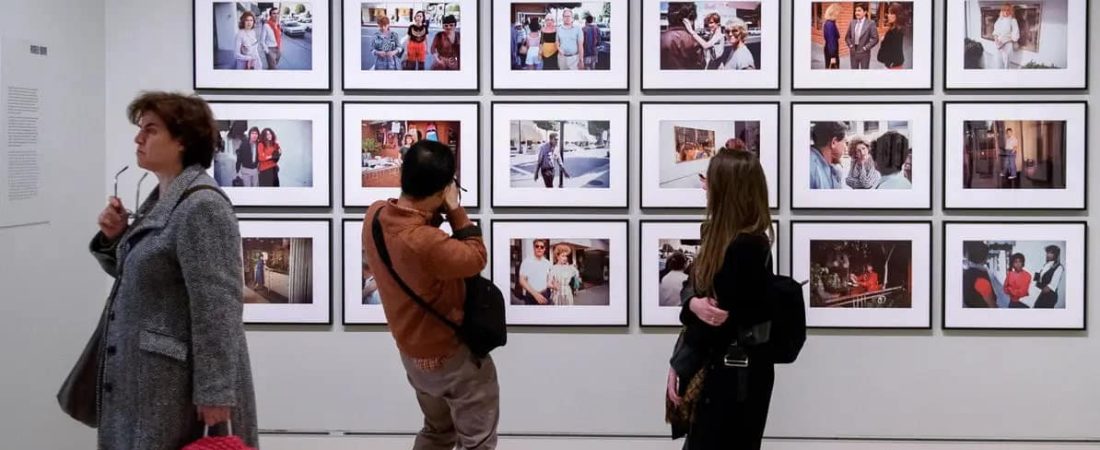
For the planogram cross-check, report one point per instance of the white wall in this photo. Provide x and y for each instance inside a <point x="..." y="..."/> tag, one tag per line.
<point x="1052" y="34"/>
<point x="604" y="381"/>
<point x="52" y="289"/>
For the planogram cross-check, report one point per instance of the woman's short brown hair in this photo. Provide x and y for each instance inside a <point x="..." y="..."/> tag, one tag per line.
<point x="245" y="15"/>
<point x="188" y="119"/>
<point x="383" y="21"/>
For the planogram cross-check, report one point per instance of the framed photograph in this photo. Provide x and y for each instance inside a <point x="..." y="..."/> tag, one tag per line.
<point x="376" y="135"/>
<point x="262" y="45"/>
<point x="421" y="45"/>
<point x="862" y="45"/>
<point x="273" y="153"/>
<point x="287" y="278"/>
<point x="1016" y="44"/>
<point x="1014" y="275"/>
<point x="562" y="272"/>
<point x="682" y="137"/>
<point x="554" y="46"/>
<point x="864" y="274"/>
<point x="668" y="250"/>
<point x="861" y="155"/>
<point x="1015" y="155"/>
<point x="559" y="154"/>
<point x="362" y="300"/>
<point x="710" y="45"/>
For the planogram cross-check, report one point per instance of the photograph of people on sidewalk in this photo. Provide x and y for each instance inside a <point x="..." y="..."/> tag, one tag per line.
<point x="261" y="45"/>
<point x="845" y="45"/>
<point x="559" y="154"/>
<point x="561" y="272"/>
<point x="287" y="274"/>
<point x="710" y="45"/>
<point x="430" y="45"/>
<point x="273" y="154"/>
<point x="560" y="45"/>
<point x="1034" y="44"/>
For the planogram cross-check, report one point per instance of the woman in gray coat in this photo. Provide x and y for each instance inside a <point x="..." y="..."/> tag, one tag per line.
<point x="173" y="357"/>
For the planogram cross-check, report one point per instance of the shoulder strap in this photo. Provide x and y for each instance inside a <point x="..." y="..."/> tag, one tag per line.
<point x="201" y="187"/>
<point x="384" y="254"/>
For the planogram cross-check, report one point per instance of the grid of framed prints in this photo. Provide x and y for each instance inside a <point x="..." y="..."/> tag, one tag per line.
<point x="710" y="45"/>
<point x="861" y="155"/>
<point x="425" y="45"/>
<point x="559" y="154"/>
<point x="262" y="45"/>
<point x="554" y="46"/>
<point x="273" y="153"/>
<point x="562" y="272"/>
<point x="1015" y="155"/>
<point x="862" y="45"/>
<point x="376" y="136"/>
<point x="679" y="139"/>
<point x="1014" y="275"/>
<point x="668" y="249"/>
<point x="287" y="278"/>
<point x="864" y="274"/>
<point x="550" y="158"/>
<point x="1016" y="44"/>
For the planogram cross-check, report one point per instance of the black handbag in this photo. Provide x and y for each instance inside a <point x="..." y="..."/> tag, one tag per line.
<point x="483" y="327"/>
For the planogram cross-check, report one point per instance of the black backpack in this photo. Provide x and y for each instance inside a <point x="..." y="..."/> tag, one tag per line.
<point x="483" y="328"/>
<point x="788" y="323"/>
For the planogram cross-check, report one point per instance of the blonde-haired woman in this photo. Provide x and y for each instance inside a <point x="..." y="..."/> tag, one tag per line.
<point x="832" y="36"/>
<point x="1006" y="32"/>
<point x="729" y="276"/>
<point x="738" y="56"/>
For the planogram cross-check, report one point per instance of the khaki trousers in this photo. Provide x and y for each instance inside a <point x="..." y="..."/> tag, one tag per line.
<point x="460" y="402"/>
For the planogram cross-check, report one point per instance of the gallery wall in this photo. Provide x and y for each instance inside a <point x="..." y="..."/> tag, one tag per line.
<point x="916" y="386"/>
<point x="52" y="290"/>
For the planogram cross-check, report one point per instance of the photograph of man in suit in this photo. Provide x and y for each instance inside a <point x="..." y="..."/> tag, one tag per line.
<point x="861" y="38"/>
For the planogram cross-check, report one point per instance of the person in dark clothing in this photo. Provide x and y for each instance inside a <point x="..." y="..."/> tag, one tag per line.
<point x="891" y="53"/>
<point x="1050" y="278"/>
<point x="832" y="37"/>
<point x="977" y="286"/>
<point x="679" y="51"/>
<point x="545" y="166"/>
<point x="248" y="159"/>
<point x="729" y="276"/>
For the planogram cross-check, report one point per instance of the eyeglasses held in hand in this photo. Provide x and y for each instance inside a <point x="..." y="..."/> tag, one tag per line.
<point x="137" y="195"/>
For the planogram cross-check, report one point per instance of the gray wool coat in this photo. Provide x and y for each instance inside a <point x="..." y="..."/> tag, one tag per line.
<point x="174" y="336"/>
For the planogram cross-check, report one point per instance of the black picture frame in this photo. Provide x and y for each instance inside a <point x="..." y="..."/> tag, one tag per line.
<point x="493" y="156"/>
<point x="931" y="151"/>
<point x="427" y="91"/>
<point x="931" y="59"/>
<point x="1030" y="90"/>
<point x="944" y="163"/>
<point x="412" y="104"/>
<point x="544" y="91"/>
<point x="777" y="175"/>
<point x="1084" y="275"/>
<point x="931" y="242"/>
<point x="494" y="261"/>
<point x="202" y="89"/>
<point x="322" y="255"/>
<point x="736" y="91"/>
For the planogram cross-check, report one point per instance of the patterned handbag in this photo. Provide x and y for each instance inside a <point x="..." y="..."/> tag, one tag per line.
<point x="227" y="442"/>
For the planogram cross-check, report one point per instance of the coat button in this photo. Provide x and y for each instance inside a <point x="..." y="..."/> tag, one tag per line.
<point x="107" y="387"/>
<point x="111" y="350"/>
<point x="111" y="316"/>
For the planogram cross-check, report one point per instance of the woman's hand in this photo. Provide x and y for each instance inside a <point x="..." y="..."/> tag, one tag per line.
<point x="674" y="387"/>
<point x="114" y="219"/>
<point x="707" y="310"/>
<point x="213" y="415"/>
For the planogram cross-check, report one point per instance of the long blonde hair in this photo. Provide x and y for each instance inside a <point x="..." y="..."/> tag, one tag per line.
<point x="737" y="202"/>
